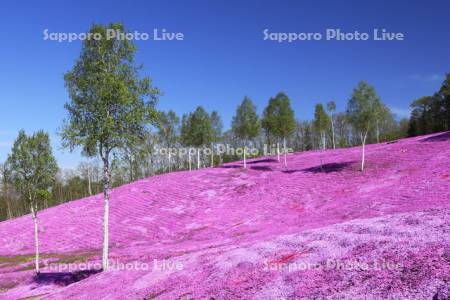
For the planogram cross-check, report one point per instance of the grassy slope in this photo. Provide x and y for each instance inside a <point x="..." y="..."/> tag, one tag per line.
<point x="226" y="225"/>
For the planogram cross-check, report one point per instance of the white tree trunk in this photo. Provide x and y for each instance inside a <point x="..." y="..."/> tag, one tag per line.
<point x="212" y="155"/>
<point x="106" y="192"/>
<point x="198" y="158"/>
<point x="363" y="157"/>
<point x="8" y="208"/>
<point x="190" y="160"/>
<point x="285" y="152"/>
<point x="378" y="132"/>
<point x="363" y="138"/>
<point x="323" y="140"/>
<point x="324" y="146"/>
<point x="8" y="203"/>
<point x="323" y="137"/>
<point x="36" y="237"/>
<point x="332" y="132"/>
<point x="89" y="180"/>
<point x="169" y="160"/>
<point x="278" y="151"/>
<point x="245" y="160"/>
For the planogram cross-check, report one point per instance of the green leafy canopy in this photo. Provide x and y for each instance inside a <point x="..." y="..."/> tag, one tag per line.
<point x="278" y="117"/>
<point x="197" y="129"/>
<point x="168" y="127"/>
<point x="245" y="124"/>
<point x="321" y="119"/>
<point x="363" y="107"/>
<point x="32" y="165"/>
<point x="110" y="105"/>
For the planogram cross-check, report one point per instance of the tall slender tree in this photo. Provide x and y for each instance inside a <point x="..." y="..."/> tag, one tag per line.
<point x="86" y="169"/>
<point x="269" y="122"/>
<point x="128" y="157"/>
<point x="279" y="120"/>
<point x="33" y="171"/>
<point x="168" y="130"/>
<point x="5" y="172"/>
<point x="287" y="121"/>
<point x="245" y="124"/>
<point x="185" y="137"/>
<point x="110" y="104"/>
<point x="444" y="98"/>
<point x="363" y="108"/>
<point x="303" y="136"/>
<point x="421" y="117"/>
<point x="342" y="129"/>
<point x="197" y="130"/>
<point x="217" y="127"/>
<point x="331" y="106"/>
<point x="383" y="116"/>
<point x="321" y="121"/>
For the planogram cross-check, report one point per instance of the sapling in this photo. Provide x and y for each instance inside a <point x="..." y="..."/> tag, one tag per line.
<point x="33" y="171"/>
<point x="245" y="124"/>
<point x="279" y="121"/>
<point x="363" y="109"/>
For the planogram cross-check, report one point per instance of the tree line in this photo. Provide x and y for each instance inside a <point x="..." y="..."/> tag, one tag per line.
<point x="431" y="113"/>
<point x="112" y="117"/>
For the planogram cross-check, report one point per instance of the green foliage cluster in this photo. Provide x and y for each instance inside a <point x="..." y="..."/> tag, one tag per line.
<point x="321" y="118"/>
<point x="32" y="166"/>
<point x="364" y="107"/>
<point x="245" y="124"/>
<point x="278" y="117"/>
<point x="110" y="104"/>
<point x="168" y="127"/>
<point x="197" y="128"/>
<point x="431" y="113"/>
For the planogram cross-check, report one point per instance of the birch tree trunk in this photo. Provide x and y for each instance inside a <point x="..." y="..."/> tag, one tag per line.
<point x="245" y="160"/>
<point x="363" y="139"/>
<point x="324" y="140"/>
<point x="106" y="193"/>
<point x="278" y="151"/>
<point x="8" y="203"/>
<point x="89" y="180"/>
<point x="285" y="154"/>
<point x="322" y="135"/>
<point x="130" y="161"/>
<point x="198" y="158"/>
<point x="212" y="155"/>
<point x="332" y="132"/>
<point x="36" y="234"/>
<point x="8" y="208"/>
<point x="190" y="160"/>
<point x="6" y="196"/>
<point x="378" y="133"/>
<point x="169" y="160"/>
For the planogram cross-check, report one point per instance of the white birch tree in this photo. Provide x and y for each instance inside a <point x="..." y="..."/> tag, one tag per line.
<point x="363" y="109"/>
<point x="110" y="105"/>
<point x="33" y="171"/>
<point x="245" y="124"/>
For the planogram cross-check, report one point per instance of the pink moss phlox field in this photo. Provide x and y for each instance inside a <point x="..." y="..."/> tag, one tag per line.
<point x="319" y="229"/>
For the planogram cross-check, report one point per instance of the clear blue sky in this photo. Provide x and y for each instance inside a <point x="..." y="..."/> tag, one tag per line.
<point x="223" y="56"/>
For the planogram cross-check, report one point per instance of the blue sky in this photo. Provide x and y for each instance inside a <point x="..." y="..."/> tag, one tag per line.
<point x="223" y="56"/>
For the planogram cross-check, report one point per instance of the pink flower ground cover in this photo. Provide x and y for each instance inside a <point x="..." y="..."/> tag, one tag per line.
<point x="305" y="232"/>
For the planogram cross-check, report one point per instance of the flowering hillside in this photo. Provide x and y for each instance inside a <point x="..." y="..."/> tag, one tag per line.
<point x="319" y="229"/>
